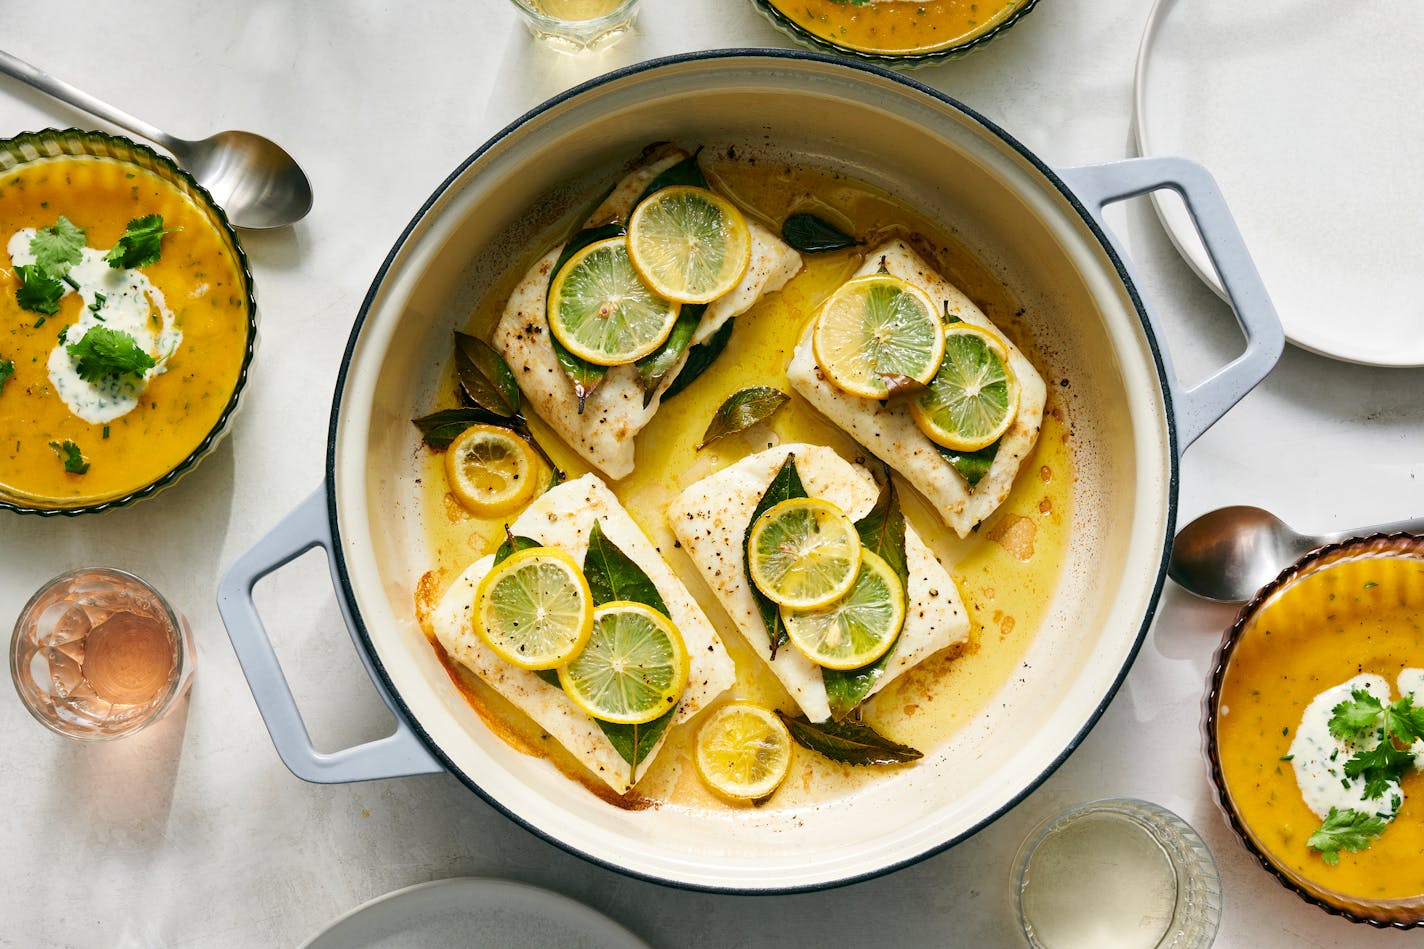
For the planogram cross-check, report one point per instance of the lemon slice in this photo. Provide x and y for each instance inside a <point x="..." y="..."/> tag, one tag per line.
<point x="633" y="668"/>
<point x="602" y="311"/>
<point x="689" y="244"/>
<point x="973" y="397"/>
<point x="534" y="608"/>
<point x="743" y="751"/>
<point x="803" y="553"/>
<point x="877" y="330"/>
<point x="491" y="470"/>
<point x="857" y="629"/>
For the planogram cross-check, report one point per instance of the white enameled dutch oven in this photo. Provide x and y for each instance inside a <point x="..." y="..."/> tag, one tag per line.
<point x="1039" y="227"/>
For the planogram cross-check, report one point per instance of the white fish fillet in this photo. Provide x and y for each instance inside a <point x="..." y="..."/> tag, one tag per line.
<point x="614" y="414"/>
<point x="710" y="519"/>
<point x="563" y="518"/>
<point x="888" y="430"/>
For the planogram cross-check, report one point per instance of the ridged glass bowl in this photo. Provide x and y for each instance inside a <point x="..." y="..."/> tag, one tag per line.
<point x="1318" y="589"/>
<point x="33" y="147"/>
<point x="912" y="59"/>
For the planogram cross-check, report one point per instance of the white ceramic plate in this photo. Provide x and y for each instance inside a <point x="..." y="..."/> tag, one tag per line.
<point x="472" y="913"/>
<point x="1307" y="113"/>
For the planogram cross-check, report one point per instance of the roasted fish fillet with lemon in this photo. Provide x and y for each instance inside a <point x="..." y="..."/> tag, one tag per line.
<point x="603" y="429"/>
<point x="711" y="518"/>
<point x="563" y="518"/>
<point x="888" y="428"/>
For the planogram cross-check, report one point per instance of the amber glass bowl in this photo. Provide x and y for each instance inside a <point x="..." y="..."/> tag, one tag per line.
<point x="194" y="435"/>
<point x="817" y="24"/>
<point x="1316" y="625"/>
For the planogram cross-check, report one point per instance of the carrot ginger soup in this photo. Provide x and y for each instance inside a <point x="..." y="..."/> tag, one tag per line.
<point x="1315" y="727"/>
<point x="897" y="26"/>
<point x="124" y="328"/>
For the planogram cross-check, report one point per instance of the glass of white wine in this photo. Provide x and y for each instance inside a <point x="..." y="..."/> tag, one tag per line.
<point x="576" y="26"/>
<point x="1117" y="874"/>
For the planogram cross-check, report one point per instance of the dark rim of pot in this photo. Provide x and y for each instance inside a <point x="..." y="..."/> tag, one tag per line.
<point x="57" y="143"/>
<point x="1325" y="555"/>
<point x="789" y="55"/>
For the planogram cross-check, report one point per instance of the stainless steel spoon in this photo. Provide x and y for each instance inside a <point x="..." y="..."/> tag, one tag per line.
<point x="1230" y="553"/>
<point x="251" y="178"/>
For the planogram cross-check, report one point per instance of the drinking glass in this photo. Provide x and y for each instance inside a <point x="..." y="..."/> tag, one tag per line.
<point x="575" y="26"/>
<point x="99" y="653"/>
<point x="1117" y="873"/>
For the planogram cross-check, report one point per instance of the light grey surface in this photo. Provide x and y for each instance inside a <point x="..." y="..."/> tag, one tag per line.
<point x="194" y="834"/>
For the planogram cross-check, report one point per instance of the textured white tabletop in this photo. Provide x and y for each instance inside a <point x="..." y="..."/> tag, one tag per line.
<point x="194" y="833"/>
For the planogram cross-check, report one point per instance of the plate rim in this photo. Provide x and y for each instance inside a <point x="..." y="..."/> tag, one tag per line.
<point x="463" y="885"/>
<point x="1176" y="225"/>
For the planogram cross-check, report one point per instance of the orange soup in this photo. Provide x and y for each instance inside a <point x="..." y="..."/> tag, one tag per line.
<point x="897" y="26"/>
<point x="63" y="441"/>
<point x="1353" y="618"/>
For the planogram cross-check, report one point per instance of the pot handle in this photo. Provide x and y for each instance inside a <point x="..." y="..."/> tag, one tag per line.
<point x="1198" y="408"/>
<point x="399" y="754"/>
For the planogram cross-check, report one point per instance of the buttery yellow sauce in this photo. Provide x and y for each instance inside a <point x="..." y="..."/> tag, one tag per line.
<point x="897" y="27"/>
<point x="1006" y="572"/>
<point x="1353" y="617"/>
<point x="203" y="286"/>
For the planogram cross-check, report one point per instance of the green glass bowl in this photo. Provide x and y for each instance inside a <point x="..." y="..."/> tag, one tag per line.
<point x="893" y="60"/>
<point x="30" y="147"/>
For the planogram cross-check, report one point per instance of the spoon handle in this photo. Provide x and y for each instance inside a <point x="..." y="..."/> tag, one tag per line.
<point x="1411" y="525"/>
<point x="43" y="81"/>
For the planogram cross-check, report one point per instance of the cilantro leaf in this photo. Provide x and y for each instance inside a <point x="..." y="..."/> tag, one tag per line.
<point x="1380" y="766"/>
<point x="104" y="352"/>
<point x="140" y="244"/>
<point x="1345" y="830"/>
<point x="74" y="461"/>
<point x="38" y="291"/>
<point x="1404" y="721"/>
<point x="7" y="369"/>
<point x="58" y="248"/>
<point x="1355" y="716"/>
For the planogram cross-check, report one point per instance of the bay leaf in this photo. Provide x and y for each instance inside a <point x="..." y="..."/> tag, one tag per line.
<point x="972" y="465"/>
<point x="653" y="368"/>
<point x="699" y="358"/>
<point x="441" y="428"/>
<point x="583" y="375"/>
<point x="513" y="544"/>
<point x="784" y="486"/>
<point x="811" y="234"/>
<point x="852" y="743"/>
<point x="485" y="377"/>
<point x="882" y="531"/>
<point x="741" y="410"/>
<point x="685" y="172"/>
<point x="635" y="742"/>
<point x="612" y="575"/>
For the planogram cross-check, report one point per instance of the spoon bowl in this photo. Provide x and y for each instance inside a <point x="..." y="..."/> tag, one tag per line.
<point x="1230" y="553"/>
<point x="252" y="178"/>
<point x="256" y="183"/>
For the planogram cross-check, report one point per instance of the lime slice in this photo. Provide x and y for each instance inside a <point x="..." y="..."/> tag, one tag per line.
<point x="689" y="244"/>
<point x="876" y="335"/>
<point x="534" y="608"/>
<point x="743" y="751"/>
<point x="602" y="311"/>
<point x="857" y="629"/>
<point x="491" y="470"/>
<point x="803" y="553"/>
<point x="633" y="668"/>
<point x="972" y="400"/>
